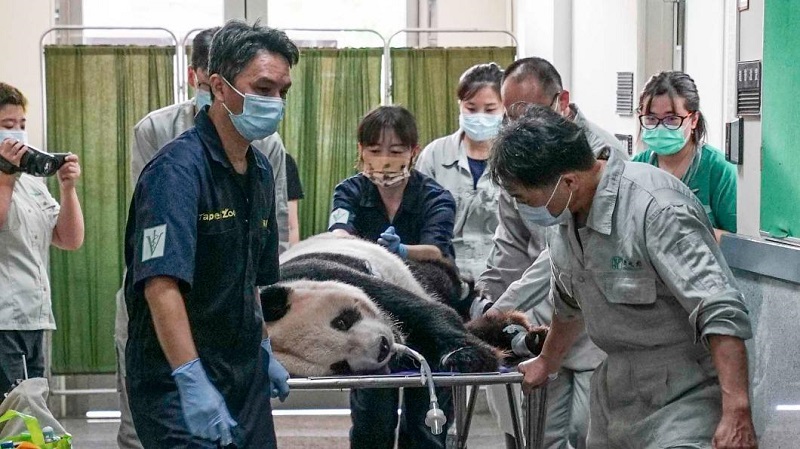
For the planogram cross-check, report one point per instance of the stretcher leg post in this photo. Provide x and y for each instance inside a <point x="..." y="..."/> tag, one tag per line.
<point x="536" y="415"/>
<point x="512" y="404"/>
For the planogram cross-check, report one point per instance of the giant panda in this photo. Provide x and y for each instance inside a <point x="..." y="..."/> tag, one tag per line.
<point x="342" y="301"/>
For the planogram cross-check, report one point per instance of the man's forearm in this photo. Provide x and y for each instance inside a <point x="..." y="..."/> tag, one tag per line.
<point x="423" y="252"/>
<point x="531" y="289"/>
<point x="340" y="232"/>
<point x="170" y="320"/>
<point x="560" y="338"/>
<point x="730" y="359"/>
<point x="69" y="230"/>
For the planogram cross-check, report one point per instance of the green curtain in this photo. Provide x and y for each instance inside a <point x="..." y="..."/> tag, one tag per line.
<point x="425" y="80"/>
<point x="95" y="95"/>
<point x="331" y="90"/>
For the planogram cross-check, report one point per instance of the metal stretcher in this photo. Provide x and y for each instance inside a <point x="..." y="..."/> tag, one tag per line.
<point x="534" y="406"/>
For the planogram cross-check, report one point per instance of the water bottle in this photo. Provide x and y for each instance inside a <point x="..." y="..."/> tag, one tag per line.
<point x="49" y="434"/>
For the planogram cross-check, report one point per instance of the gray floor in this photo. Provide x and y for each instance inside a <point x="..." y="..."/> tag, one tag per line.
<point x="295" y="432"/>
<point x="302" y="432"/>
<point x="331" y="433"/>
<point x="780" y="431"/>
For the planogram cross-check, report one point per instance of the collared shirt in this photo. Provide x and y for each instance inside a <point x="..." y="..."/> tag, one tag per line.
<point x="161" y="126"/>
<point x="25" y="257"/>
<point x="598" y="137"/>
<point x="425" y="216"/>
<point x="712" y="179"/>
<point x="188" y="221"/>
<point x="518" y="266"/>
<point x="645" y="271"/>
<point x="445" y="160"/>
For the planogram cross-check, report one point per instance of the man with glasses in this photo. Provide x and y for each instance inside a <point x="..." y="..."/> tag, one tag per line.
<point x="518" y="273"/>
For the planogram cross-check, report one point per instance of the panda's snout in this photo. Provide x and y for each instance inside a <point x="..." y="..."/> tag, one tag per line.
<point x="384" y="350"/>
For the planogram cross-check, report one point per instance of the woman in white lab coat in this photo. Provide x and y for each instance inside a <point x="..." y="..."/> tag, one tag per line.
<point x="458" y="163"/>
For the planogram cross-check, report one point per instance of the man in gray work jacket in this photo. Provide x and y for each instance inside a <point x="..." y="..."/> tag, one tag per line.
<point x="518" y="273"/>
<point x="635" y="264"/>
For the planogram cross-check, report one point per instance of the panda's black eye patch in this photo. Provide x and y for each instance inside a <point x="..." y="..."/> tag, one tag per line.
<point x="346" y="319"/>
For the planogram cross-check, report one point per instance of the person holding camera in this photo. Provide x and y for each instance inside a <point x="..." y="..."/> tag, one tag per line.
<point x="30" y="221"/>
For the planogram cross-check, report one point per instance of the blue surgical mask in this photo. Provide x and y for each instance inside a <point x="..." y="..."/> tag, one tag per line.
<point x="14" y="134"/>
<point x="541" y="216"/>
<point x="664" y="141"/>
<point x="479" y="126"/>
<point x="202" y="98"/>
<point x="260" y="115"/>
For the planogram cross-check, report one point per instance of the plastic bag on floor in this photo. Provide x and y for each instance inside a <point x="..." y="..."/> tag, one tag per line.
<point x="28" y="402"/>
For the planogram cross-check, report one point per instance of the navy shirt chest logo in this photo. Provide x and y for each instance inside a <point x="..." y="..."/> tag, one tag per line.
<point x="223" y="214"/>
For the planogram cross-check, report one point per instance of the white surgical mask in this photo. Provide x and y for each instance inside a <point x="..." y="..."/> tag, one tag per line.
<point x="541" y="216"/>
<point x="480" y="126"/>
<point x="202" y="98"/>
<point x="260" y="115"/>
<point x="14" y="134"/>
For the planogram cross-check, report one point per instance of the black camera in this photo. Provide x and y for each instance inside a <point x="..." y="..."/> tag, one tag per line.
<point x="35" y="162"/>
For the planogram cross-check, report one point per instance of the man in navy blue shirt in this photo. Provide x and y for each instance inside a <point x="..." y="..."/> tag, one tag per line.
<point x="201" y="237"/>
<point x="412" y="216"/>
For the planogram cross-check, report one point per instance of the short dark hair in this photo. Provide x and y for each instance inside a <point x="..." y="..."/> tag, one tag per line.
<point x="536" y="149"/>
<point x="477" y="77"/>
<point x="540" y="70"/>
<point x="237" y="43"/>
<point x="201" y="43"/>
<point x="10" y="95"/>
<point x="675" y="85"/>
<point x="395" y="118"/>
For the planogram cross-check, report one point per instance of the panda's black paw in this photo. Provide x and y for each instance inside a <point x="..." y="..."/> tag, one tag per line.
<point x="474" y="357"/>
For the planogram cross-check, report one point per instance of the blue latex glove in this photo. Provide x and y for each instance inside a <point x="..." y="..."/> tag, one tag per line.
<point x="204" y="408"/>
<point x="391" y="241"/>
<point x="278" y="376"/>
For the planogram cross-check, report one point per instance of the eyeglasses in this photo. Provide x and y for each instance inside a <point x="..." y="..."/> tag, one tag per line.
<point x="672" y="122"/>
<point x="521" y="108"/>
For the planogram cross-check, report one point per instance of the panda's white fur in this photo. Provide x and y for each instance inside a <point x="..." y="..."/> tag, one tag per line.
<point x="314" y="306"/>
<point x="382" y="263"/>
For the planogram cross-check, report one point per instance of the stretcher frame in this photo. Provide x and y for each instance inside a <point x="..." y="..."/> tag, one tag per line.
<point x="534" y="407"/>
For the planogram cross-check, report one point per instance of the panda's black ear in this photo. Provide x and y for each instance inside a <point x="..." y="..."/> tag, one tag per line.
<point x="275" y="302"/>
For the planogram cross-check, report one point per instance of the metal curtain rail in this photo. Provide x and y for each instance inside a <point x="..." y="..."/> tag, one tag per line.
<point x="111" y="28"/>
<point x="385" y="99"/>
<point x="184" y="90"/>
<point x="388" y="49"/>
<point x="183" y="65"/>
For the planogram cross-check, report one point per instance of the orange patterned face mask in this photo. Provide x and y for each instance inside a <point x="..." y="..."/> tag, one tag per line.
<point x="385" y="171"/>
